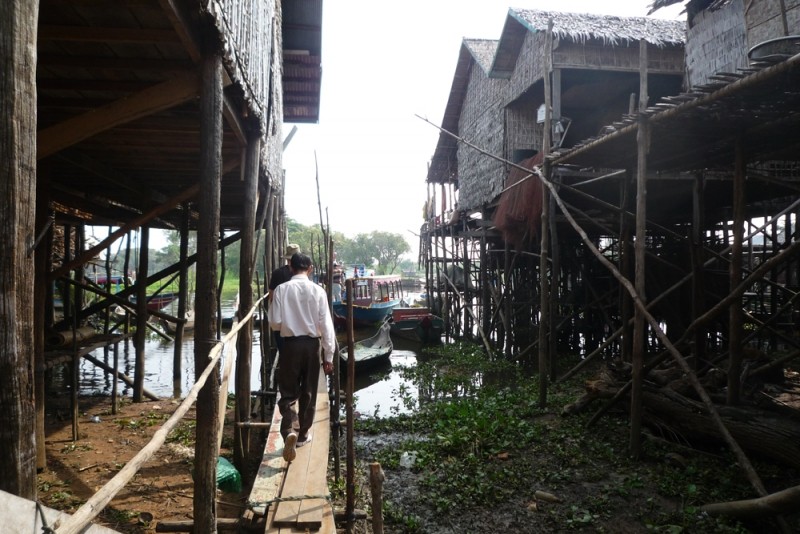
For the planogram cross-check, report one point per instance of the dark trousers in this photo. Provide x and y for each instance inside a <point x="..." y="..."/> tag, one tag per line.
<point x="298" y="378"/>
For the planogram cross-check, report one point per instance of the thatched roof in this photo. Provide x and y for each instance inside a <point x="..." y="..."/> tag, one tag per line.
<point x="580" y="27"/>
<point x="443" y="166"/>
<point x="482" y="50"/>
<point x="695" y="5"/>
<point x="609" y="29"/>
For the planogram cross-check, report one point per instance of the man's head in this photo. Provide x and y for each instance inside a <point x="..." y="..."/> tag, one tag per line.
<point x="300" y="263"/>
<point x="291" y="250"/>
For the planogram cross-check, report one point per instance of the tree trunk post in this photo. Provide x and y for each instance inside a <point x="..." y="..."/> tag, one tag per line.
<point x="205" y="477"/>
<point x="141" y="314"/>
<point x="241" y="438"/>
<point x="18" y="27"/>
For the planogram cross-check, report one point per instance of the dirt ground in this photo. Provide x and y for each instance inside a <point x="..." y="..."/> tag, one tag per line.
<point x="162" y="490"/>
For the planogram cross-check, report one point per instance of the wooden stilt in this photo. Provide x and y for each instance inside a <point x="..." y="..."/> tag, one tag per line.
<point x="544" y="248"/>
<point x="183" y="304"/>
<point x="735" y="270"/>
<point x="241" y="438"/>
<point x="205" y="301"/>
<point x="639" y="325"/>
<point x="141" y="314"/>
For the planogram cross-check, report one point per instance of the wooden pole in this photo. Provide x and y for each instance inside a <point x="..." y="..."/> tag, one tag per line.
<point x="183" y="305"/>
<point x="544" y="246"/>
<point x="735" y="272"/>
<point x="18" y="32"/>
<point x="640" y="249"/>
<point x="241" y="437"/>
<point x="376" y="478"/>
<point x="42" y="253"/>
<point x="206" y="451"/>
<point x="141" y="314"/>
<point x="350" y="484"/>
<point x="698" y="273"/>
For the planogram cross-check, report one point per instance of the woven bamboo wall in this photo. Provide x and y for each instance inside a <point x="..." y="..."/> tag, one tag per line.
<point x="480" y="178"/>
<point x="272" y="137"/>
<point x="530" y="65"/>
<point x="716" y="43"/>
<point x="765" y="21"/>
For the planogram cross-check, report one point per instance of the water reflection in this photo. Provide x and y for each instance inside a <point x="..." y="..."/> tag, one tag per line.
<point x="379" y="392"/>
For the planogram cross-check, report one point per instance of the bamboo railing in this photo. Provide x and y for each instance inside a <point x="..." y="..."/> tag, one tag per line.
<point x="92" y="508"/>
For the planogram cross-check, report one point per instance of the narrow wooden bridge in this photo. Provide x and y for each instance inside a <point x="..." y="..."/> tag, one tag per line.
<point x="293" y="496"/>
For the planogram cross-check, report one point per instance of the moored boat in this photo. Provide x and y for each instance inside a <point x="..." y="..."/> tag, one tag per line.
<point x="417" y="324"/>
<point x="374" y="297"/>
<point x="371" y="352"/>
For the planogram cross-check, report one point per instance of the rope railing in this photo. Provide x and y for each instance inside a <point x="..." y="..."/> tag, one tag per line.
<point x="92" y="508"/>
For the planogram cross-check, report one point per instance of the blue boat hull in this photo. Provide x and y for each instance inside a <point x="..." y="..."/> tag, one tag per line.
<point x="367" y="315"/>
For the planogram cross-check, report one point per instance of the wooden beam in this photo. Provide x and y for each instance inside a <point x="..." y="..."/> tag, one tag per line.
<point x="114" y="63"/>
<point x="101" y="170"/>
<point x="185" y="26"/>
<point x="135" y="223"/>
<point x="151" y="100"/>
<point x="89" y="34"/>
<point x="233" y="119"/>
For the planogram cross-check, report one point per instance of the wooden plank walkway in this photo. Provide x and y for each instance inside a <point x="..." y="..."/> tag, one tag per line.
<point x="305" y="476"/>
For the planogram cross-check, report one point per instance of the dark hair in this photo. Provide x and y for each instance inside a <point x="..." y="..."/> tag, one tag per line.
<point x="300" y="262"/>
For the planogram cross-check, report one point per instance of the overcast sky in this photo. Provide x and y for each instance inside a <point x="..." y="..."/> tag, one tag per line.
<point x="382" y="64"/>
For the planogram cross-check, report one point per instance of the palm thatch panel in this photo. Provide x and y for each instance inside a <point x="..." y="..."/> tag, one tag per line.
<point x="611" y="30"/>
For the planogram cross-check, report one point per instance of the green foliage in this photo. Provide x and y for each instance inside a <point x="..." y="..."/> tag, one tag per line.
<point x="479" y="438"/>
<point x="381" y="250"/>
<point x="183" y="433"/>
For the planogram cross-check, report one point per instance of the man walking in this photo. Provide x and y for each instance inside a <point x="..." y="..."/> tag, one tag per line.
<point x="299" y="312"/>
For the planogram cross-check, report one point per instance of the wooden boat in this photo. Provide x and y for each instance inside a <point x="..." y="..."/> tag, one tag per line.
<point x="188" y="326"/>
<point x="156" y="302"/>
<point x="374" y="297"/>
<point x="371" y="352"/>
<point x="417" y="324"/>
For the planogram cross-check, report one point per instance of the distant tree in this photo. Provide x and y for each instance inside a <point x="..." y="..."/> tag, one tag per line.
<point x="388" y="249"/>
<point x="310" y="239"/>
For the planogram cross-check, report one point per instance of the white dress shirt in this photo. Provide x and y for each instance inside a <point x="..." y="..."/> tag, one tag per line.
<point x="300" y="308"/>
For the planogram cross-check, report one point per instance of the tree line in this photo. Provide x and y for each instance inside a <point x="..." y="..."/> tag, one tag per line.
<point x="379" y="251"/>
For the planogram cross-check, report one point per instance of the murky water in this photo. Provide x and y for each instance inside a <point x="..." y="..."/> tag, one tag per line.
<point x="378" y="393"/>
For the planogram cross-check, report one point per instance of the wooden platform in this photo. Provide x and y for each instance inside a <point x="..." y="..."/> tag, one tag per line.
<point x="305" y="476"/>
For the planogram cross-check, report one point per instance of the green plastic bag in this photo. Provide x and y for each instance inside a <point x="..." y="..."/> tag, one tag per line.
<point x="228" y="478"/>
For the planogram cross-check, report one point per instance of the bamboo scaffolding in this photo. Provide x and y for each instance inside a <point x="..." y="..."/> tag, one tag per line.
<point x="793" y="249"/>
